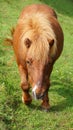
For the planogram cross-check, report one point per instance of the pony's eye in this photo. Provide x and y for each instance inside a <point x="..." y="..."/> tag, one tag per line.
<point x="28" y="62"/>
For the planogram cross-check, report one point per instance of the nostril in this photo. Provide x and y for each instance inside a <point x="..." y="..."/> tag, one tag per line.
<point x="41" y="96"/>
<point x="37" y="96"/>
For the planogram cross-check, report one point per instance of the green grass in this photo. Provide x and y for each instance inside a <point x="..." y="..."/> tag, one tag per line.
<point x="13" y="114"/>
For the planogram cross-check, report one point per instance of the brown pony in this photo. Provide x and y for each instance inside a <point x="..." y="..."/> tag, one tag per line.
<point x="37" y="42"/>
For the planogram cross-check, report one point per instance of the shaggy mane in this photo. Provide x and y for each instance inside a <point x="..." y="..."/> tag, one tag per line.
<point x="39" y="30"/>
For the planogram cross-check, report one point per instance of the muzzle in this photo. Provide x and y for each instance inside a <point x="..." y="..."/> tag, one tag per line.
<point x="38" y="94"/>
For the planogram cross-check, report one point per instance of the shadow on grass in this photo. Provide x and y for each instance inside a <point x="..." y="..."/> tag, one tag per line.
<point x="62" y="6"/>
<point x="66" y="91"/>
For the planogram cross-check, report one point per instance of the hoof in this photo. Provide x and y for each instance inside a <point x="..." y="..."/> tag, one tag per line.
<point x="45" y="107"/>
<point x="27" y="101"/>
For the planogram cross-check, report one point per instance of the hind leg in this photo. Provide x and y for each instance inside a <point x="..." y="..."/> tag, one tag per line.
<point x="26" y="98"/>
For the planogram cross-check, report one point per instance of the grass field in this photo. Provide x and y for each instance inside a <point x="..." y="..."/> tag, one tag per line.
<point x="13" y="114"/>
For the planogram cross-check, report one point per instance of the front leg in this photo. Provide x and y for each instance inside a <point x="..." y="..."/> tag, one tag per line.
<point x="45" y="103"/>
<point x="26" y="98"/>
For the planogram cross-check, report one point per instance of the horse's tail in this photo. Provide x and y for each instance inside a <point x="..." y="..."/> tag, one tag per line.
<point x="9" y="41"/>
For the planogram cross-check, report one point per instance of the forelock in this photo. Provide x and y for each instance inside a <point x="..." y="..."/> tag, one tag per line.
<point x="39" y="50"/>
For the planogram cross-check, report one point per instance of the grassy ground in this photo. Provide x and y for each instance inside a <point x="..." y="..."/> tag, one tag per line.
<point x="13" y="114"/>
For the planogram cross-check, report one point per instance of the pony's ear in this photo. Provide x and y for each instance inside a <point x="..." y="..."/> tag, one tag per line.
<point x="27" y="42"/>
<point x="51" y="42"/>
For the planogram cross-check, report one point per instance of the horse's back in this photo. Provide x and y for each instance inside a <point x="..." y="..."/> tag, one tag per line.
<point x="38" y="8"/>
